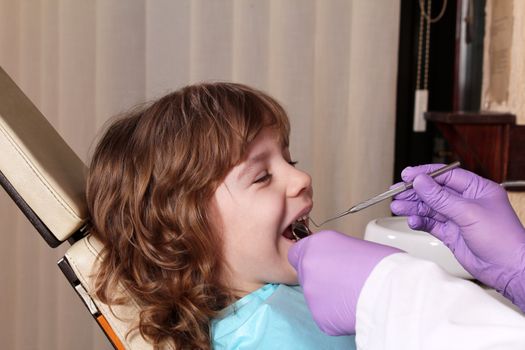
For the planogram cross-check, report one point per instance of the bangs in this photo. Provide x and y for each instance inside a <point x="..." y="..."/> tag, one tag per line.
<point x="249" y="111"/>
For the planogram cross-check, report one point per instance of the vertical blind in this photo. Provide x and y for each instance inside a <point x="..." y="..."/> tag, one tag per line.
<point x="331" y="63"/>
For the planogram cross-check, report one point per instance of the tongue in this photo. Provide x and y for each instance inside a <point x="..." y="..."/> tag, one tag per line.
<point x="288" y="233"/>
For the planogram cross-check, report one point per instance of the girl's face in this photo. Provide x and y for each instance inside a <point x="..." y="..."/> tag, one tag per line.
<point x="257" y="202"/>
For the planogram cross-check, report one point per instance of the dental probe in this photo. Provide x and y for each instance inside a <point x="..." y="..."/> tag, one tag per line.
<point x="388" y="194"/>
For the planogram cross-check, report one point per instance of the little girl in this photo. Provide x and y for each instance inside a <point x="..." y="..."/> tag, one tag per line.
<point x="193" y="197"/>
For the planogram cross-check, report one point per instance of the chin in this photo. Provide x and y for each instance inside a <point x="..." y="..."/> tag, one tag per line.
<point x="284" y="274"/>
<point x="287" y="274"/>
<point x="290" y="276"/>
<point x="293" y="282"/>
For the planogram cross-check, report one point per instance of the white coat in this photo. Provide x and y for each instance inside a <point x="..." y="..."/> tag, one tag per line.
<point x="409" y="303"/>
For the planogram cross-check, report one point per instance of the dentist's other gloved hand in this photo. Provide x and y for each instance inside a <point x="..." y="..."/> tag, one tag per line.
<point x="473" y="217"/>
<point x="332" y="269"/>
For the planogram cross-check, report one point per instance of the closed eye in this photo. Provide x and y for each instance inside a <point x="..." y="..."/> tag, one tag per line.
<point x="266" y="177"/>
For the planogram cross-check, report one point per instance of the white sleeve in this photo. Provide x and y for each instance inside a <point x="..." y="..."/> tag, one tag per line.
<point x="409" y="303"/>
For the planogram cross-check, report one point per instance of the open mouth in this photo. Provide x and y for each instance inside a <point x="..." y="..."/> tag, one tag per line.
<point x="298" y="229"/>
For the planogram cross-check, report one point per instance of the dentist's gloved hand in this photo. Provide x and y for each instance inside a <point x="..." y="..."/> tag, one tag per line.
<point x="473" y="217"/>
<point x="332" y="269"/>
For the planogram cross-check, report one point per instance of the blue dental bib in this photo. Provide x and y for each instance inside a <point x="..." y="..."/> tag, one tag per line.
<point x="273" y="317"/>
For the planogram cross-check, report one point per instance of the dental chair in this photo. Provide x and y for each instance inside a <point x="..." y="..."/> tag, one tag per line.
<point x="46" y="180"/>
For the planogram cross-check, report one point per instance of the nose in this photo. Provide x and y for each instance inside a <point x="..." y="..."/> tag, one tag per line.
<point x="298" y="182"/>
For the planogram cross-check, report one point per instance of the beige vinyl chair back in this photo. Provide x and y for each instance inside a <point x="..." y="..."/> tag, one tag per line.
<point x="46" y="179"/>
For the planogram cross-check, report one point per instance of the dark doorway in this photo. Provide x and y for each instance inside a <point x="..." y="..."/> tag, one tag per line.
<point x="412" y="148"/>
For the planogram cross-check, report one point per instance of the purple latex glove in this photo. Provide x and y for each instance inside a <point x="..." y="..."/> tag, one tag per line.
<point x="332" y="269"/>
<point x="474" y="218"/>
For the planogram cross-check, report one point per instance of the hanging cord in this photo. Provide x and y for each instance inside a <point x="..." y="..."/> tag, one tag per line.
<point x="427" y="13"/>
<point x="427" y="44"/>
<point x="419" y="50"/>
<point x="424" y="64"/>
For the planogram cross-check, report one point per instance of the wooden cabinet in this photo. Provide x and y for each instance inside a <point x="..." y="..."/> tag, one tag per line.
<point x="487" y="143"/>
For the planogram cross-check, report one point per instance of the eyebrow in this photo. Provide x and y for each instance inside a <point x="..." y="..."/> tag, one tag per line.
<point x="250" y="163"/>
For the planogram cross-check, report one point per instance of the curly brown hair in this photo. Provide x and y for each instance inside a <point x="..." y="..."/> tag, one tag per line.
<point x="149" y="188"/>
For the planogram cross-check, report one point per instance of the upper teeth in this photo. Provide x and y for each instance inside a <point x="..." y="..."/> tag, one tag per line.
<point x="303" y="218"/>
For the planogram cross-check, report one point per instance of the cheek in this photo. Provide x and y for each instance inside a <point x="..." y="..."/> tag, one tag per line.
<point x="250" y="241"/>
<point x="223" y="209"/>
<point x="269" y="207"/>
